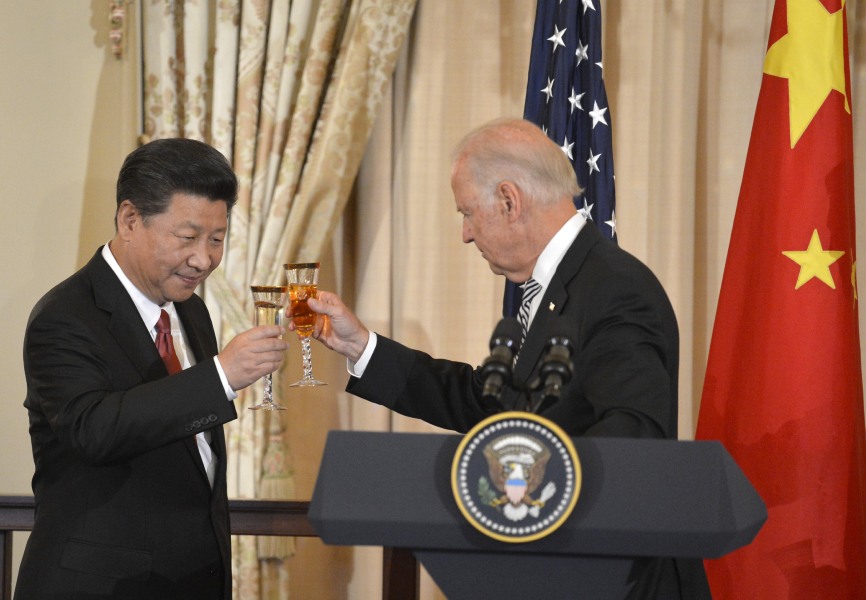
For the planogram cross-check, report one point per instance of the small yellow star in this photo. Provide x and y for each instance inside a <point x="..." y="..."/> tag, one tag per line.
<point x="811" y="57"/>
<point x="814" y="262"/>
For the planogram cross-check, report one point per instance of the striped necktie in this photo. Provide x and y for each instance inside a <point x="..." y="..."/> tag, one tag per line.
<point x="165" y="345"/>
<point x="530" y="291"/>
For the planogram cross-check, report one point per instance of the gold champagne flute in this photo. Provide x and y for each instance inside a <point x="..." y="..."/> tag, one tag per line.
<point x="303" y="279"/>
<point x="270" y="302"/>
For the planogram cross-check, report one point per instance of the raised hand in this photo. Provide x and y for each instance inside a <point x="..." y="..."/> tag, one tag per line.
<point x="337" y="327"/>
<point x="251" y="355"/>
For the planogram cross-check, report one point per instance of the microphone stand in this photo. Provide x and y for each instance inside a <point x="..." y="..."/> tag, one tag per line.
<point x="555" y="371"/>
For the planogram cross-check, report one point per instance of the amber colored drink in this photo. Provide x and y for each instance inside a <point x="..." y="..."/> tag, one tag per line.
<point x="303" y="316"/>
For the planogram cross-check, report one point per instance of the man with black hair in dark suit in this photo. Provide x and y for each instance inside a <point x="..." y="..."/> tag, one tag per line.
<point x="130" y="456"/>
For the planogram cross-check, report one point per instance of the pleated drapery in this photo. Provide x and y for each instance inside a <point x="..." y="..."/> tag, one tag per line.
<point x="288" y="91"/>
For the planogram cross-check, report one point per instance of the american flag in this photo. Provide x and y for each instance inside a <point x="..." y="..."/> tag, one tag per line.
<point x="565" y="96"/>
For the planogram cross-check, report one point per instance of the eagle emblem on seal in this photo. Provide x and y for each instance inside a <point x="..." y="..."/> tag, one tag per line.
<point x="516" y="465"/>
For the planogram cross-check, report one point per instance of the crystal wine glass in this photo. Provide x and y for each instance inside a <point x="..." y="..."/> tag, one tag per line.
<point x="303" y="279"/>
<point x="270" y="302"/>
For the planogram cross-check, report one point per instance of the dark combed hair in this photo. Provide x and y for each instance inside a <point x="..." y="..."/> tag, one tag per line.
<point x="154" y="172"/>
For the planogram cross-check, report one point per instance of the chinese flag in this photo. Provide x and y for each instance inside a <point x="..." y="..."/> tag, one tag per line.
<point x="783" y="388"/>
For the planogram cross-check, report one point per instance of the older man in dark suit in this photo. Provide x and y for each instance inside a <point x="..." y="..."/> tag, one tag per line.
<point x="127" y="394"/>
<point x="515" y="190"/>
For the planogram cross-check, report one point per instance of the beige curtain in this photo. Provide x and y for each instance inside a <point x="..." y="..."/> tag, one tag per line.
<point x="288" y="91"/>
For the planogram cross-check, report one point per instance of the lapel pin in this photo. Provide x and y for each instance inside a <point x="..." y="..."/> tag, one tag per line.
<point x="551" y="307"/>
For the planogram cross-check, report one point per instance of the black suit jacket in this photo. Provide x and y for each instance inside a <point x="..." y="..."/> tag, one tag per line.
<point x="123" y="505"/>
<point x="624" y="383"/>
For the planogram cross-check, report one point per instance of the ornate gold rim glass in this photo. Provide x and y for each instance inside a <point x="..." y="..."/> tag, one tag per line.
<point x="303" y="280"/>
<point x="270" y="302"/>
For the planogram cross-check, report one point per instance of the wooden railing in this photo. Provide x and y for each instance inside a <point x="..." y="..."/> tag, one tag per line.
<point x="248" y="517"/>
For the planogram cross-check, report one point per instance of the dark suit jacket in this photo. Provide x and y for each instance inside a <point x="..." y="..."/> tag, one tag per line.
<point x="123" y="505"/>
<point x="624" y="383"/>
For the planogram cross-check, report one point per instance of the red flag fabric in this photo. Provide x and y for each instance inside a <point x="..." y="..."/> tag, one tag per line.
<point x="783" y="388"/>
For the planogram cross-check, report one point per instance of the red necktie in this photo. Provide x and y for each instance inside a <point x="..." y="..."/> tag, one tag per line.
<point x="165" y="345"/>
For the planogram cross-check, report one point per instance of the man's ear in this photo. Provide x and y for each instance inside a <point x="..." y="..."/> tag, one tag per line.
<point x="510" y="199"/>
<point x="128" y="218"/>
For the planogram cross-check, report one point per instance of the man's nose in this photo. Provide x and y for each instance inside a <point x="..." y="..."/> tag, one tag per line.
<point x="200" y="258"/>
<point x="467" y="233"/>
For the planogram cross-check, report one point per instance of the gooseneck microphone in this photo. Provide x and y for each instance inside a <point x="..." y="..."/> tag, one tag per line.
<point x="497" y="368"/>
<point x="556" y="367"/>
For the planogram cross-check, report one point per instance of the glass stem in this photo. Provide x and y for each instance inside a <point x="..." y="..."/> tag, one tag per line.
<point x="308" y="358"/>
<point x="269" y="390"/>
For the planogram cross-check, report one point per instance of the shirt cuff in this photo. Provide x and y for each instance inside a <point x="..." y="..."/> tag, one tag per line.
<point x="357" y="369"/>
<point x="230" y="393"/>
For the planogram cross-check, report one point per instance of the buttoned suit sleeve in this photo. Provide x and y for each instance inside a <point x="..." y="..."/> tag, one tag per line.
<point x="101" y="386"/>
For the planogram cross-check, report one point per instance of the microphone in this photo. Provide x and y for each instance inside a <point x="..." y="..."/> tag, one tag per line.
<point x="556" y="366"/>
<point x="496" y="369"/>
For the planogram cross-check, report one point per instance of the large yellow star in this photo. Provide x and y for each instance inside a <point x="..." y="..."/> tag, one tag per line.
<point x="814" y="262"/>
<point x="811" y="57"/>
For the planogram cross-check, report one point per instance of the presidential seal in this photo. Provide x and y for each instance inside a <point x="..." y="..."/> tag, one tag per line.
<point x="516" y="477"/>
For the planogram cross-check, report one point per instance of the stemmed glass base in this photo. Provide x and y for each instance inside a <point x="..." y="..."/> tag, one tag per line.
<point x="268" y="402"/>
<point x="307" y="380"/>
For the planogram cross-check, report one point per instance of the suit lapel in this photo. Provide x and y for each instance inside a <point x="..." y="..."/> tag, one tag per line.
<point x="553" y="303"/>
<point x="203" y="346"/>
<point x="125" y="322"/>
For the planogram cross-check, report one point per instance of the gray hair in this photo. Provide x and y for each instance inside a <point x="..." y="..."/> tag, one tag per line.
<point x="518" y="151"/>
